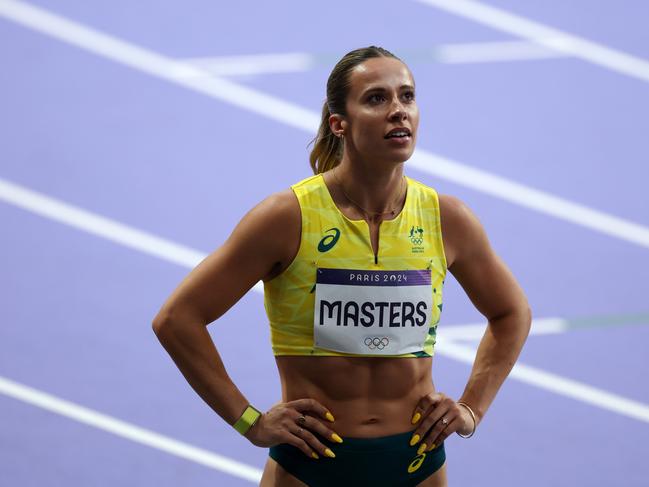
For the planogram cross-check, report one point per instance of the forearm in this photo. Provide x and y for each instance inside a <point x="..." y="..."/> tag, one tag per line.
<point x="192" y="349"/>
<point x="498" y="351"/>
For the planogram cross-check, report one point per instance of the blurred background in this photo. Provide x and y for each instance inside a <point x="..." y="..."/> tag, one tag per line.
<point x="135" y="135"/>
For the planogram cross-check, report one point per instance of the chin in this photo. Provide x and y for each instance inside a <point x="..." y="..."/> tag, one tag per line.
<point x="394" y="158"/>
<point x="405" y="154"/>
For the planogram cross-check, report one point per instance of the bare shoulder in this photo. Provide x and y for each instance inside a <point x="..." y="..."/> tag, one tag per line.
<point x="462" y="231"/>
<point x="451" y="206"/>
<point x="273" y="228"/>
<point x="281" y="208"/>
<point x="274" y="225"/>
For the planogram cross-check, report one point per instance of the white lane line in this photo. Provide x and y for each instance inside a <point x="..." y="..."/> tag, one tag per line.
<point x="289" y="62"/>
<point x="103" y="227"/>
<point x="489" y="52"/>
<point x="531" y="198"/>
<point x="303" y="119"/>
<point x="544" y="35"/>
<point x="86" y="221"/>
<point x="557" y="384"/>
<point x="548" y="326"/>
<point x="129" y="431"/>
<point x="295" y="62"/>
<point x="540" y="326"/>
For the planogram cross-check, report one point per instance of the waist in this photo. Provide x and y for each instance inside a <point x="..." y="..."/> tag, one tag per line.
<point x="369" y="397"/>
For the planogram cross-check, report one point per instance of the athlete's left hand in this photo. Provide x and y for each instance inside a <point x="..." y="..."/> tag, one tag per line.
<point x="442" y="416"/>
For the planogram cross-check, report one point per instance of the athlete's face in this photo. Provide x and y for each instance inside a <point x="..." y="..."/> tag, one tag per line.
<point x="381" y="99"/>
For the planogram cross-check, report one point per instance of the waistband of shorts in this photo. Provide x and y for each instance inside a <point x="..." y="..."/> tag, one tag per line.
<point x="397" y="441"/>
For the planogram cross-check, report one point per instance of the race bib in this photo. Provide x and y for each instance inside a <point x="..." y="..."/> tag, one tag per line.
<point x="372" y="312"/>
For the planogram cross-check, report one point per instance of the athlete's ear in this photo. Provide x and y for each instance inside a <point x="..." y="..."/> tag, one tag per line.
<point x="338" y="124"/>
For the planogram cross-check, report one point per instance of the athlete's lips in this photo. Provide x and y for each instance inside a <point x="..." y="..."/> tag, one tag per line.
<point x="404" y="130"/>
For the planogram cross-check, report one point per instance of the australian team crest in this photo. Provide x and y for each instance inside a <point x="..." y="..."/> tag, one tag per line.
<point x="417" y="239"/>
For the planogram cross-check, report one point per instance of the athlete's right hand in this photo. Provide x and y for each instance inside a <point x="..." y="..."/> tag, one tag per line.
<point x="280" y="425"/>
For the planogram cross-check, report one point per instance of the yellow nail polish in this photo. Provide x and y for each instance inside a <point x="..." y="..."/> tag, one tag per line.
<point x="414" y="440"/>
<point x="415" y="418"/>
<point x="329" y="453"/>
<point x="432" y="447"/>
<point x="314" y="455"/>
<point x="422" y="449"/>
<point x="336" y="438"/>
<point x="329" y="416"/>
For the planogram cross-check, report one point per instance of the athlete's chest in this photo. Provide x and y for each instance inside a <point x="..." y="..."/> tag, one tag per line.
<point x="373" y="244"/>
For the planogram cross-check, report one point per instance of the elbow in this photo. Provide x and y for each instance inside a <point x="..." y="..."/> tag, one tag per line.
<point x="523" y="316"/>
<point x="162" y="321"/>
<point x="172" y="319"/>
<point x="518" y="321"/>
<point x="158" y="324"/>
<point x="526" y="320"/>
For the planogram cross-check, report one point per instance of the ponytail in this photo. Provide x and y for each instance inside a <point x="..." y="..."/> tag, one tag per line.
<point x="327" y="148"/>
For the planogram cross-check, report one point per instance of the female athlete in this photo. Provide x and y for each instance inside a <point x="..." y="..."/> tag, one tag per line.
<point x="353" y="260"/>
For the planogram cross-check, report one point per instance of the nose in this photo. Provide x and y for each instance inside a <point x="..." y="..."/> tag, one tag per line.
<point x="397" y="112"/>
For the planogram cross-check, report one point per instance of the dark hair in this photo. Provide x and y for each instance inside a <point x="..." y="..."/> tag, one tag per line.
<point x="327" y="148"/>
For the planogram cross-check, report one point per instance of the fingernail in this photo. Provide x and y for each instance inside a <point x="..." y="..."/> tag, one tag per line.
<point x="415" y="418"/>
<point x="422" y="449"/>
<point x="314" y="455"/>
<point x="432" y="447"/>
<point x="414" y="440"/>
<point x="330" y="416"/>
<point x="336" y="438"/>
<point x="329" y="453"/>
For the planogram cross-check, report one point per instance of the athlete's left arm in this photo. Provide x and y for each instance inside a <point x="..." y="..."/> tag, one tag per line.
<point x="495" y="293"/>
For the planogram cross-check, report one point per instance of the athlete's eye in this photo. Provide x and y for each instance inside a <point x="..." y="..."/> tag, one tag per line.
<point x="409" y="95"/>
<point x="376" y="98"/>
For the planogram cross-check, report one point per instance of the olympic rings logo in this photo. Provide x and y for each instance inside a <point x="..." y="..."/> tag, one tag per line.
<point x="374" y="343"/>
<point x="417" y="240"/>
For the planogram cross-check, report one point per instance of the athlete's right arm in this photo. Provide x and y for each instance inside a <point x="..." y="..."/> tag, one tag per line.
<point x="263" y="242"/>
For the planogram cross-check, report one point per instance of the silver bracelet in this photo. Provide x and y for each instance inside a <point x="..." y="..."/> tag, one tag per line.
<point x="475" y="423"/>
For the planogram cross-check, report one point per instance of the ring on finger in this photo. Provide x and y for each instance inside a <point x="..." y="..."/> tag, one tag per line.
<point x="445" y="421"/>
<point x="301" y="420"/>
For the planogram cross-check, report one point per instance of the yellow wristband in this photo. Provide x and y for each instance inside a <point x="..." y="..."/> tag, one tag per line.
<point x="247" y="420"/>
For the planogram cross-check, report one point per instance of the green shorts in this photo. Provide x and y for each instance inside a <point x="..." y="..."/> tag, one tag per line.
<point x="384" y="461"/>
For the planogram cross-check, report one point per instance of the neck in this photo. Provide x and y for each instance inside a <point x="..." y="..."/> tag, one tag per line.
<point x="375" y="189"/>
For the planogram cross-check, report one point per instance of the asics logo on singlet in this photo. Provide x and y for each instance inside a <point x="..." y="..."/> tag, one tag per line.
<point x="328" y="241"/>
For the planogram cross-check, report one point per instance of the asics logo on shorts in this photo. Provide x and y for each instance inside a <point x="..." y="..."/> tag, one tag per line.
<point x="328" y="241"/>
<point x="416" y="463"/>
<point x="374" y="343"/>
